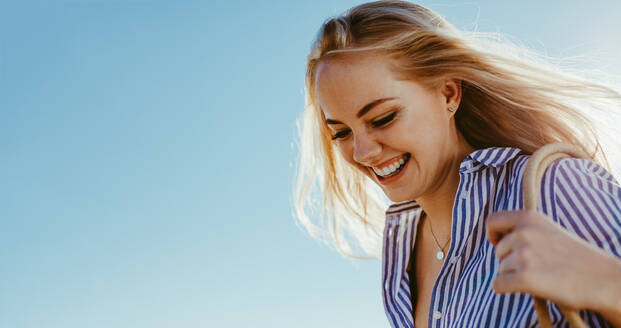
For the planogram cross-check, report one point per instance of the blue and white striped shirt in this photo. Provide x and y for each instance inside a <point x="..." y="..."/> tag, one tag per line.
<point x="578" y="194"/>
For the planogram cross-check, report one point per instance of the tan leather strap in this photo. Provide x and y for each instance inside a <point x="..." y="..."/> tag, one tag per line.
<point x="535" y="167"/>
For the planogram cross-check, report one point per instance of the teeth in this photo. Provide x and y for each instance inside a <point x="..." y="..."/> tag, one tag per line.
<point x="390" y="169"/>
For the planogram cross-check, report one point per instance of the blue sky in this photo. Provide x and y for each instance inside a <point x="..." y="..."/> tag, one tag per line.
<point x="148" y="159"/>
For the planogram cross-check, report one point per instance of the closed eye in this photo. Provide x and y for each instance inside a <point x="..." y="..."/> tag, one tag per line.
<point x="340" y="135"/>
<point x="379" y="123"/>
<point x="385" y="120"/>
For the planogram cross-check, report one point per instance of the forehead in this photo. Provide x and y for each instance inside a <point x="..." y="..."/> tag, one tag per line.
<point x="346" y="83"/>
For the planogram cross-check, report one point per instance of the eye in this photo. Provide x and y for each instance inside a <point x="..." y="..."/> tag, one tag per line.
<point x="341" y="134"/>
<point x="385" y="120"/>
<point x="379" y="123"/>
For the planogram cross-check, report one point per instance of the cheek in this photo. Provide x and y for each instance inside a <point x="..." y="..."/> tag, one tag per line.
<point x="425" y="132"/>
<point x="345" y="151"/>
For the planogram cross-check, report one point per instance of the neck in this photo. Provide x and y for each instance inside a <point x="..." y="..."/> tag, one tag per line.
<point x="438" y="202"/>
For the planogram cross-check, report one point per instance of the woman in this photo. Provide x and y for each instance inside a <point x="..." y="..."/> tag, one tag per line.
<point x="443" y="124"/>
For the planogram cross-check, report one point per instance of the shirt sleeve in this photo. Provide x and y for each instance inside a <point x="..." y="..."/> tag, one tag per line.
<point x="585" y="199"/>
<point x="587" y="202"/>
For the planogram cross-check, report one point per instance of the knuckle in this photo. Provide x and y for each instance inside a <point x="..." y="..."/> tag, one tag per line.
<point x="524" y="253"/>
<point x="500" y="250"/>
<point x="522" y="236"/>
<point x="521" y="279"/>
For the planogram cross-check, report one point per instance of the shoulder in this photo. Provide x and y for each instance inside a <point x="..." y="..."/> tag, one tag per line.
<point x="509" y="164"/>
<point x="584" y="198"/>
<point x="576" y="193"/>
<point x="583" y="172"/>
<point x="575" y="181"/>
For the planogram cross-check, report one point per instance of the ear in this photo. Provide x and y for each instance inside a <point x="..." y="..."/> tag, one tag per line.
<point x="451" y="90"/>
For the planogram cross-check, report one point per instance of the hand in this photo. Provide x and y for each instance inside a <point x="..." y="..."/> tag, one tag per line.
<point x="539" y="257"/>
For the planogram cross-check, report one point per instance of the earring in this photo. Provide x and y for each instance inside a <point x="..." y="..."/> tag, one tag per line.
<point x="452" y="109"/>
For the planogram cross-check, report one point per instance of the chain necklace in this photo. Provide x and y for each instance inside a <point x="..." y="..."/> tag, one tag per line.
<point x="440" y="253"/>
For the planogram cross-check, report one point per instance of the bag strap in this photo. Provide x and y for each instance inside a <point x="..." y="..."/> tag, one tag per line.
<point x="535" y="167"/>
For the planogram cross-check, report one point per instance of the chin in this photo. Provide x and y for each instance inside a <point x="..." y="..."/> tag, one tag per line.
<point x="398" y="197"/>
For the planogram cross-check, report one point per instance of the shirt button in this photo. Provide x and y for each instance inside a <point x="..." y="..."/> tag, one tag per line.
<point x="437" y="315"/>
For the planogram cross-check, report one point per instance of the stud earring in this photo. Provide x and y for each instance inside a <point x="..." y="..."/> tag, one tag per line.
<point x="452" y="109"/>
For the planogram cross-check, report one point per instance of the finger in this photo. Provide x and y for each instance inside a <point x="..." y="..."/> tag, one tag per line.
<point x="504" y="247"/>
<point x="499" y="224"/>
<point x="511" y="263"/>
<point x="508" y="283"/>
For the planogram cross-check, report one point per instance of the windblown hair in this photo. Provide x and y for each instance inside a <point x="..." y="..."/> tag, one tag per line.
<point x="511" y="97"/>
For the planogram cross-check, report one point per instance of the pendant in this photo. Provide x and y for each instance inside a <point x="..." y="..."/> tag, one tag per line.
<point x="440" y="255"/>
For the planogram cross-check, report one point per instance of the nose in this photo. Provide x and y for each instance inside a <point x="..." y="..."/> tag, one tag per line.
<point x="366" y="149"/>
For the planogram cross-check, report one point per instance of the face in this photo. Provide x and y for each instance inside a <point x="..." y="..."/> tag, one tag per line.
<point x="395" y="131"/>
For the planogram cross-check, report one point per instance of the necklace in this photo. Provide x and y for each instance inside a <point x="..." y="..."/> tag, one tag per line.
<point x="440" y="253"/>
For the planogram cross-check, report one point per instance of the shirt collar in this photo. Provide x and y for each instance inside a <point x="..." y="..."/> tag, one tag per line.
<point x="408" y="205"/>
<point x="493" y="156"/>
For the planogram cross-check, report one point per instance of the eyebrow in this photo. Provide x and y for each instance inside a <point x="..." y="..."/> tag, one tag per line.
<point x="366" y="108"/>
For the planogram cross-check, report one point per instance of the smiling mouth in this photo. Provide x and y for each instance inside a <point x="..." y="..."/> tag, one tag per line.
<point x="388" y="173"/>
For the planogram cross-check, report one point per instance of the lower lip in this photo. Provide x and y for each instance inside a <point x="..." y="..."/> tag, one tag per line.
<point x="388" y="180"/>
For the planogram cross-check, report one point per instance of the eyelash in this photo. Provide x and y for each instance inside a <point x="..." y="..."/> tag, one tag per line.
<point x="379" y="123"/>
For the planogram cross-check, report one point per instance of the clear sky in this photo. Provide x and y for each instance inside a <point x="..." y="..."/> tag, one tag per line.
<point x="147" y="157"/>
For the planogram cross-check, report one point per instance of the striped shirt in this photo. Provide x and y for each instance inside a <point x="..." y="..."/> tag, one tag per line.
<point x="578" y="194"/>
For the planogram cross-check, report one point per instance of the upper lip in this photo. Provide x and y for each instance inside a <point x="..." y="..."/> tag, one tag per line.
<point x="387" y="163"/>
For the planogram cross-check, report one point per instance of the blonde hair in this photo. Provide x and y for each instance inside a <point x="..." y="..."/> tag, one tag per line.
<point x="511" y="97"/>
